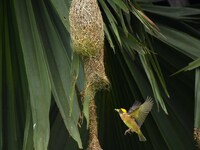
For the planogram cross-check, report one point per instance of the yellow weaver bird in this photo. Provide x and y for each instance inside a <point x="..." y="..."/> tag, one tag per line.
<point x="135" y="116"/>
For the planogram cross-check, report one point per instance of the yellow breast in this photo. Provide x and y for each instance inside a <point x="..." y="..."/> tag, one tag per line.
<point x="130" y="122"/>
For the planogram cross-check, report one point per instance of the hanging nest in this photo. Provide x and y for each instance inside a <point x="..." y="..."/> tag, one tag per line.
<point x="86" y="27"/>
<point x="87" y="35"/>
<point x="197" y="136"/>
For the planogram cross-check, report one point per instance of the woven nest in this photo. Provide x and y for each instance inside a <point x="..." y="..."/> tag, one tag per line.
<point x="87" y="34"/>
<point x="197" y="136"/>
<point x="95" y="72"/>
<point x="86" y="26"/>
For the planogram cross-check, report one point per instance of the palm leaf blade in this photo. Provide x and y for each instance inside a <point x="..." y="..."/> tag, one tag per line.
<point x="37" y="75"/>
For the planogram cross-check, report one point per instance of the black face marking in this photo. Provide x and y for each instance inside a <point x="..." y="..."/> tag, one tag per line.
<point x="120" y="111"/>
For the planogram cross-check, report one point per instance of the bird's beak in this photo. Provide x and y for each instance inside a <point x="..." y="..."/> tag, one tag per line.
<point x="117" y="110"/>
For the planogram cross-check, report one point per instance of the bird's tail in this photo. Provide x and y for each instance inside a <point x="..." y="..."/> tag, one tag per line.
<point x="141" y="136"/>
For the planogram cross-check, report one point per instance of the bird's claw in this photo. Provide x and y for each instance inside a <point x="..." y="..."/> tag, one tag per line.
<point x="127" y="131"/>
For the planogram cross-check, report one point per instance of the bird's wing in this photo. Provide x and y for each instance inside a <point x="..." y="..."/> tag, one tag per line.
<point x="141" y="113"/>
<point x="135" y="106"/>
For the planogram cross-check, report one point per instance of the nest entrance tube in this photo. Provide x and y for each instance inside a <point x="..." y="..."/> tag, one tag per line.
<point x="96" y="80"/>
<point x="95" y="72"/>
<point x="197" y="136"/>
<point x="93" y="127"/>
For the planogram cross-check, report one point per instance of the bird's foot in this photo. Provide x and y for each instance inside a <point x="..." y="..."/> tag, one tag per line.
<point x="127" y="131"/>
